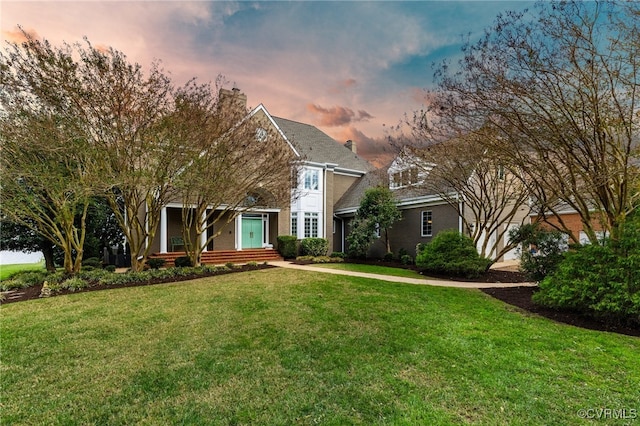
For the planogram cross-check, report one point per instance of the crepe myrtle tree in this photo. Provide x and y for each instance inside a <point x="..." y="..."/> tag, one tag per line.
<point x="117" y="113"/>
<point x="237" y="162"/>
<point x="45" y="184"/>
<point x="559" y="85"/>
<point x="484" y="188"/>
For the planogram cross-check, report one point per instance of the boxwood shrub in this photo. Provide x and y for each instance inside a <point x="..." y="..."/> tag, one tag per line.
<point x="314" y="247"/>
<point x="288" y="246"/>
<point x="452" y="253"/>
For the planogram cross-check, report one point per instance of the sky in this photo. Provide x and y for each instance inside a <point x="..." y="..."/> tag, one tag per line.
<point x="351" y="68"/>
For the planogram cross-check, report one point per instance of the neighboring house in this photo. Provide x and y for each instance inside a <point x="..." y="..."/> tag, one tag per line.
<point x="566" y="219"/>
<point x="328" y="170"/>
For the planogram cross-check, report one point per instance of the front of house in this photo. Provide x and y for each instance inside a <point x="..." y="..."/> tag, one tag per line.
<point x="331" y="182"/>
<point x="328" y="170"/>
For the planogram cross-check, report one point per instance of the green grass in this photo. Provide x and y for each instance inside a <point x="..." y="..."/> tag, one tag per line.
<point x="283" y="347"/>
<point x="7" y="271"/>
<point x="371" y="269"/>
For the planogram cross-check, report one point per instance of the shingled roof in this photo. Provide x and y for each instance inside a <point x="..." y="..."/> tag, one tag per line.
<point x="318" y="147"/>
<point x="350" y="201"/>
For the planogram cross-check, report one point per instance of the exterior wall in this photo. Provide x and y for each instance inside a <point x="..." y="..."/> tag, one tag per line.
<point x="407" y="233"/>
<point x="341" y="183"/>
<point x="571" y="220"/>
<point x="328" y="207"/>
<point x="227" y="238"/>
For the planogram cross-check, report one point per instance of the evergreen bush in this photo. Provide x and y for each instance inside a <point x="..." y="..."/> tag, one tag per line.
<point x="314" y="247"/>
<point x="452" y="253"/>
<point x="288" y="246"/>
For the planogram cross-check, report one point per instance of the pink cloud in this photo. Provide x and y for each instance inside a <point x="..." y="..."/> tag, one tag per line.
<point x="338" y="116"/>
<point x="379" y="151"/>
<point x="342" y="86"/>
<point x="18" y="36"/>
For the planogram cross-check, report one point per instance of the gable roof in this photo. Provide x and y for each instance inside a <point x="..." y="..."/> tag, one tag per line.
<point x="318" y="147"/>
<point x="404" y="197"/>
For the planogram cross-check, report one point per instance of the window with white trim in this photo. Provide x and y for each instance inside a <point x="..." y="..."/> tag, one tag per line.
<point x="427" y="222"/>
<point x="311" y="225"/>
<point x="312" y="179"/>
<point x="294" y="224"/>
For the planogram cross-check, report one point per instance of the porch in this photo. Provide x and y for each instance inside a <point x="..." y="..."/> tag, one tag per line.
<point x="221" y="257"/>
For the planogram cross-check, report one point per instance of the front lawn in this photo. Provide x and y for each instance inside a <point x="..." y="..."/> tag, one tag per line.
<point x="7" y="271"/>
<point x="372" y="269"/>
<point x="283" y="346"/>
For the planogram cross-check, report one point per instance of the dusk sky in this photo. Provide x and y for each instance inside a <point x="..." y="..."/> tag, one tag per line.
<point x="353" y="69"/>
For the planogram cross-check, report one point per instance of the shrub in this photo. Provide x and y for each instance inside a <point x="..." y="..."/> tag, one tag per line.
<point x="548" y="251"/>
<point x="75" y="283"/>
<point x="183" y="262"/>
<point x="600" y="281"/>
<point x="110" y="268"/>
<point x="405" y="259"/>
<point x="452" y="253"/>
<point x="314" y="247"/>
<point x="339" y="254"/>
<point x="288" y="246"/>
<point x="156" y="262"/>
<point x="388" y="257"/>
<point x="25" y="279"/>
<point x="92" y="262"/>
<point x="597" y="281"/>
<point x="229" y="265"/>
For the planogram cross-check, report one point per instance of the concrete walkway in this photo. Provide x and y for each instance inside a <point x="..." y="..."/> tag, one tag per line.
<point x="420" y="281"/>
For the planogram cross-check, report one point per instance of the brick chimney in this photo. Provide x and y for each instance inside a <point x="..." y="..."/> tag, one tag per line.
<point x="352" y="146"/>
<point x="233" y="99"/>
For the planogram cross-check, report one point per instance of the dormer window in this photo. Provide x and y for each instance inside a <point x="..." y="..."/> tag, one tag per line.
<point x="404" y="178"/>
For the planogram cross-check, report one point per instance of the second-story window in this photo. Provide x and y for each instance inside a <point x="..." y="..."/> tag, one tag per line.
<point x="311" y="180"/>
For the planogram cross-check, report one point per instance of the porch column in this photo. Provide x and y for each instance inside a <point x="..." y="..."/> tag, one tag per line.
<point x="163" y="230"/>
<point x="203" y="236"/>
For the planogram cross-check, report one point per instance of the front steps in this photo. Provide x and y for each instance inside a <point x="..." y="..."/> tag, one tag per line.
<point x="222" y="257"/>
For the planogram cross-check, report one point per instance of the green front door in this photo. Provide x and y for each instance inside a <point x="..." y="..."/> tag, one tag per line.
<point x="251" y="232"/>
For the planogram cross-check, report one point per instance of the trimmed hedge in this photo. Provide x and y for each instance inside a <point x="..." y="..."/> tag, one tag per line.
<point x="314" y="247"/>
<point x="288" y="246"/>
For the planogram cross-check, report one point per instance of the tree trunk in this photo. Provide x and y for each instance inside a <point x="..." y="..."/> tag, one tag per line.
<point x="47" y="251"/>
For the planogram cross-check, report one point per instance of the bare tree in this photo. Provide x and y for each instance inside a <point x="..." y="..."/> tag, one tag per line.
<point x="483" y="187"/>
<point x="237" y="162"/>
<point x="560" y="86"/>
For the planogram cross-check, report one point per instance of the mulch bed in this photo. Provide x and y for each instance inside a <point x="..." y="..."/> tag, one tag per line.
<point x="519" y="297"/>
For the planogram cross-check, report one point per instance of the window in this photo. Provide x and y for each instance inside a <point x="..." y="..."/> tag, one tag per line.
<point x="294" y="224"/>
<point x="261" y="134"/>
<point x="310" y="225"/>
<point x="311" y="180"/>
<point x="405" y="178"/>
<point x="427" y="221"/>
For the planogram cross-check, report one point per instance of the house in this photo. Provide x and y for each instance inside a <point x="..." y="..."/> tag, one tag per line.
<point x="331" y="182"/>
